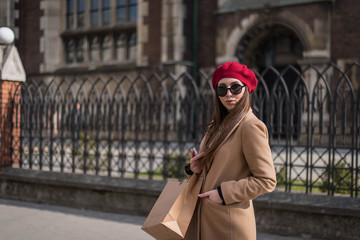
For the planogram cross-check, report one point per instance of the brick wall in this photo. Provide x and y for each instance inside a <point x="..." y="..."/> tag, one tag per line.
<point x="153" y="21"/>
<point x="28" y="42"/>
<point x="345" y="32"/>
<point x="207" y="32"/>
<point x="9" y="124"/>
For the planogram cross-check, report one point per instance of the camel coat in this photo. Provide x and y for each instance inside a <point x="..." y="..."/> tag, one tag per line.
<point x="243" y="167"/>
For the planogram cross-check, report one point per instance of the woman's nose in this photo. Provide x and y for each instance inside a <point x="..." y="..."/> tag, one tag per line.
<point x="228" y="92"/>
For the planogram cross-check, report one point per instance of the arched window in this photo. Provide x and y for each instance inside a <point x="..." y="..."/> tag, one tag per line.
<point x="270" y="45"/>
<point x="274" y="45"/>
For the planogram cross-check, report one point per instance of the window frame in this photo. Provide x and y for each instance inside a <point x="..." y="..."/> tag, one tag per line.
<point x="94" y="13"/>
<point x="105" y="11"/>
<point x="80" y="12"/>
<point x="127" y="7"/>
<point x="90" y="19"/>
<point x="70" y="14"/>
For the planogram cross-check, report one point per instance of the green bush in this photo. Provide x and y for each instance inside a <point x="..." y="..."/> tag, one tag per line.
<point x="176" y="165"/>
<point x="280" y="175"/>
<point x="340" y="178"/>
<point x="79" y="152"/>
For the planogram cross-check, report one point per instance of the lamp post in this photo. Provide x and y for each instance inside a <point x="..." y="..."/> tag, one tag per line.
<point x="11" y="74"/>
<point x="11" y="67"/>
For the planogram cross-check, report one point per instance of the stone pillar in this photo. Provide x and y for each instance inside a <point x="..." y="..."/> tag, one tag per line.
<point x="11" y="74"/>
<point x="172" y="35"/>
<point x="9" y="123"/>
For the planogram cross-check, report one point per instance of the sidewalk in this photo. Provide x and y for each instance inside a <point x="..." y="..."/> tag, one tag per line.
<point x="30" y="221"/>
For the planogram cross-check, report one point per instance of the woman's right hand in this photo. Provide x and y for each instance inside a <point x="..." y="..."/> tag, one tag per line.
<point x="195" y="162"/>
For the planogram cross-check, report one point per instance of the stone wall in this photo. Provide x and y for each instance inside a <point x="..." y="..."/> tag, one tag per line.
<point x="115" y="195"/>
<point x="288" y="214"/>
<point x="308" y="215"/>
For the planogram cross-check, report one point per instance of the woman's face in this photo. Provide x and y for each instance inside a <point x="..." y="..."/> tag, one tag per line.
<point x="229" y="100"/>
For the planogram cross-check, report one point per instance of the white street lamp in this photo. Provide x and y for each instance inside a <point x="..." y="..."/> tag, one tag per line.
<point x="11" y="68"/>
<point x="7" y="36"/>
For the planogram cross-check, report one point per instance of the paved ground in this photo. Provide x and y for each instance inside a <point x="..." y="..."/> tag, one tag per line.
<point x="30" y="221"/>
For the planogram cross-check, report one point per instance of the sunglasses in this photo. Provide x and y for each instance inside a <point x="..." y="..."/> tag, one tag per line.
<point x="234" y="89"/>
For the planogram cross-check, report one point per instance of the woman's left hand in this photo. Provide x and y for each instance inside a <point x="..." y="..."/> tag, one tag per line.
<point x="213" y="195"/>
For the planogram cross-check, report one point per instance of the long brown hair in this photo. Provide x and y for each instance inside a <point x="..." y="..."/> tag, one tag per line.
<point x="222" y="123"/>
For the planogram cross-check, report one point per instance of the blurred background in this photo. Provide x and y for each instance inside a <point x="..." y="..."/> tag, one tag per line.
<point x="122" y="87"/>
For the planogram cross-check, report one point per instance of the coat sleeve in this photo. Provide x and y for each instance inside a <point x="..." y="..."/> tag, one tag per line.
<point x="257" y="152"/>
<point x="187" y="169"/>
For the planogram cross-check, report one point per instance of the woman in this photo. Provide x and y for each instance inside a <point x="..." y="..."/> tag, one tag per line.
<point x="235" y="161"/>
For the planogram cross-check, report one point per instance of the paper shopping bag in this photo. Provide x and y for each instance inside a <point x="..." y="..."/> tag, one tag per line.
<point x="172" y="212"/>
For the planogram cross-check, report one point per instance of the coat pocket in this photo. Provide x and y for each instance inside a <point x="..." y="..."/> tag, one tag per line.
<point x="215" y="220"/>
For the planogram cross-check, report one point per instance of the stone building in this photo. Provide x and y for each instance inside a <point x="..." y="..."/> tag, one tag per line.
<point x="93" y="39"/>
<point x="102" y="36"/>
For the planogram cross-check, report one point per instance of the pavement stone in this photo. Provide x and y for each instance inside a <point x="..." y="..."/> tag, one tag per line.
<point x="31" y="221"/>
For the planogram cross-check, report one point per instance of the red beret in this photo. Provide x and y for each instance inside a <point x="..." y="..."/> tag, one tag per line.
<point x="235" y="70"/>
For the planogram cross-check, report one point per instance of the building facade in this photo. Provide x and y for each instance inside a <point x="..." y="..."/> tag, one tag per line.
<point x="311" y="108"/>
<point x="102" y="36"/>
<point x="93" y="36"/>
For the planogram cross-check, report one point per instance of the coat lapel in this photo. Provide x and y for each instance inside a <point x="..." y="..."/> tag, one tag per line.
<point x="208" y="165"/>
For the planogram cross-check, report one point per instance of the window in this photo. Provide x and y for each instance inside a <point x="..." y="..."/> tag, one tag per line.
<point x="106" y="53"/>
<point x="132" y="47"/>
<point x="121" y="11"/>
<point x="80" y="13"/>
<point x="103" y="38"/>
<point x="106" y="12"/>
<point x="94" y="13"/>
<point x="69" y="14"/>
<point x="80" y="50"/>
<point x="121" y="47"/>
<point x="125" y="47"/>
<point x="132" y="10"/>
<point x="126" y="11"/>
<point x="74" y="50"/>
<point x="101" y="48"/>
<point x="69" y="51"/>
<point x="94" y="50"/>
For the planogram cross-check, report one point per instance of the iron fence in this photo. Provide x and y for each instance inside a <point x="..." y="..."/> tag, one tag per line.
<point x="144" y="126"/>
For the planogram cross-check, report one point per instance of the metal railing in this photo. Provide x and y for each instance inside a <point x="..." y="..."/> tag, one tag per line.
<point x="143" y="126"/>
